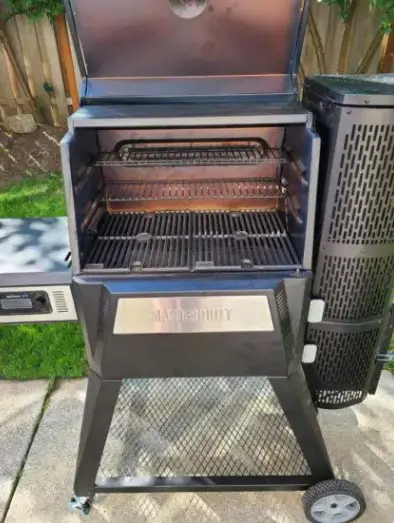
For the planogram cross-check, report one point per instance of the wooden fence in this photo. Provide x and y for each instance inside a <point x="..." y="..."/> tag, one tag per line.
<point x="367" y="44"/>
<point x="35" y="48"/>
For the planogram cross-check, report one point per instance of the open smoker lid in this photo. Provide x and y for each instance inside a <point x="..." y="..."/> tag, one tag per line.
<point x="144" y="48"/>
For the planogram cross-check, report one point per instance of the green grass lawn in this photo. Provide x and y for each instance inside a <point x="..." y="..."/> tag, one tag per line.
<point x="39" y="351"/>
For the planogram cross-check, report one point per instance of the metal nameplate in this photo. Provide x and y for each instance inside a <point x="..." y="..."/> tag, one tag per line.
<point x="187" y="314"/>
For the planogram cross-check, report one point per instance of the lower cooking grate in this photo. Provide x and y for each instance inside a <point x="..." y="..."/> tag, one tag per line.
<point x="200" y="427"/>
<point x="191" y="241"/>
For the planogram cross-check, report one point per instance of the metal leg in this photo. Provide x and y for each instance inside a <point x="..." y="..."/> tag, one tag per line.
<point x="99" y="407"/>
<point x="295" y="400"/>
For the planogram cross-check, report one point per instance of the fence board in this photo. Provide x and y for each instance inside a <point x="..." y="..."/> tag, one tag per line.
<point x="52" y="71"/>
<point x="33" y="66"/>
<point x="12" y="33"/>
<point x="331" y="31"/>
<point x="78" y="77"/>
<point x="7" y="100"/>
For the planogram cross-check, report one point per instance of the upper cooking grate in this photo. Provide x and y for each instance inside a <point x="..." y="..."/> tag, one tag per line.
<point x="191" y="154"/>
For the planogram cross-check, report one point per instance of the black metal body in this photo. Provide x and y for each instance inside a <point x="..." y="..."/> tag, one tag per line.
<point x="192" y="181"/>
<point x="104" y="276"/>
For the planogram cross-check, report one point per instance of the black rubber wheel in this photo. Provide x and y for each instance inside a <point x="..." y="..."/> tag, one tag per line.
<point x="334" y="501"/>
<point x="84" y="508"/>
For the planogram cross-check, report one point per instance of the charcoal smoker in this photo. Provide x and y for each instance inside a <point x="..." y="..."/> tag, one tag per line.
<point x="226" y="286"/>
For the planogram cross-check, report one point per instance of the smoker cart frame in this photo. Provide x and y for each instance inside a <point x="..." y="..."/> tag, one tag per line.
<point x="286" y="367"/>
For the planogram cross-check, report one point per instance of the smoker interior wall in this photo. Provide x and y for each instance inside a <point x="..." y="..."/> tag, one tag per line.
<point x="301" y="178"/>
<point x="83" y="185"/>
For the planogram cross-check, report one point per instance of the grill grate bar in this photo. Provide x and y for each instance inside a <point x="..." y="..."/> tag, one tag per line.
<point x="195" y="154"/>
<point x="157" y="190"/>
<point x="191" y="241"/>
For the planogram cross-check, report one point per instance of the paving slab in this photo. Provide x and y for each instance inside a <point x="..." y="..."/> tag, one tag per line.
<point x="20" y="407"/>
<point x="360" y="441"/>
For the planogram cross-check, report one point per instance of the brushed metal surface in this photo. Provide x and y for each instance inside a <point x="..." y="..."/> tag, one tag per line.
<point x="173" y="116"/>
<point x="188" y="314"/>
<point x="146" y="38"/>
<point x="33" y="245"/>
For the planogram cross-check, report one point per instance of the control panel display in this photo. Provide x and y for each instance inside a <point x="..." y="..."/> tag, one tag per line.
<point x="33" y="302"/>
<point x="16" y="303"/>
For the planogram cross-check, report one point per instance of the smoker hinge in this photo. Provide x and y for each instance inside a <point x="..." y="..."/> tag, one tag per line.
<point x="316" y="311"/>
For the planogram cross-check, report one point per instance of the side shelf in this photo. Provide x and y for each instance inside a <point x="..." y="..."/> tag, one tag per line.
<point x="35" y="280"/>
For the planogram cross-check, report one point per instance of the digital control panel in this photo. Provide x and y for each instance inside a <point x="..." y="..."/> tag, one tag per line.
<point x="32" y="302"/>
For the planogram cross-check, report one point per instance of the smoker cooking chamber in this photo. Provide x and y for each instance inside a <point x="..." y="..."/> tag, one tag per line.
<point x="191" y="200"/>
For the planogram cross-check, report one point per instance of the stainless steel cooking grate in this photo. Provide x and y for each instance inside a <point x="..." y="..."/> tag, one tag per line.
<point x="177" y="427"/>
<point x="191" y="190"/>
<point x="192" y="153"/>
<point x="191" y="241"/>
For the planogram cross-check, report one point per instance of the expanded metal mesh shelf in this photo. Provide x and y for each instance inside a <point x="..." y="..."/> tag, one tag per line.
<point x="192" y="154"/>
<point x="191" y="190"/>
<point x="191" y="241"/>
<point x="200" y="427"/>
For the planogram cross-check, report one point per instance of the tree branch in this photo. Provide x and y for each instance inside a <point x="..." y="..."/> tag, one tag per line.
<point x="347" y="38"/>
<point x="317" y="44"/>
<point x="371" y="51"/>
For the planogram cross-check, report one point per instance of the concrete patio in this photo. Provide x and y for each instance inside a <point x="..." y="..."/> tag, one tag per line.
<point x="39" y="433"/>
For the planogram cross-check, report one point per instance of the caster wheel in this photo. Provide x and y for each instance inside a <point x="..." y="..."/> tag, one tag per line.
<point x="334" y="501"/>
<point x="82" y="504"/>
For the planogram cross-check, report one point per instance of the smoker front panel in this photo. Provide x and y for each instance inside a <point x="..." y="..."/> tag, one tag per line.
<point x="229" y="342"/>
<point x="200" y="427"/>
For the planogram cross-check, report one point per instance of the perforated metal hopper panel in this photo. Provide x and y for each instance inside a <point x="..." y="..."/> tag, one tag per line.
<point x="343" y="365"/>
<point x="362" y="212"/>
<point x="364" y="293"/>
<point x="355" y="266"/>
<point x="356" y="285"/>
<point x="200" y="427"/>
